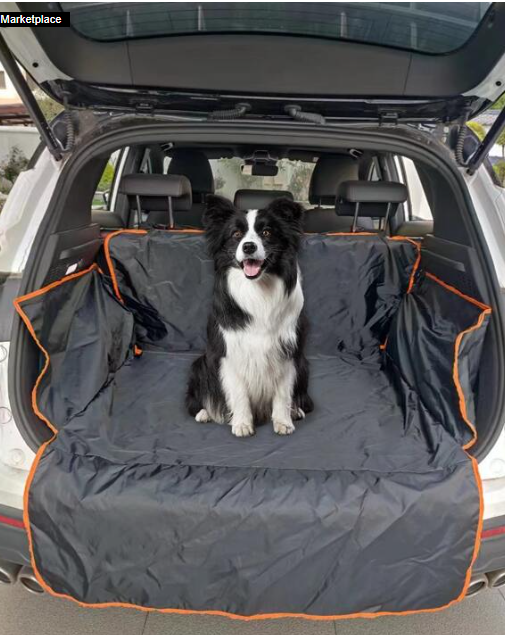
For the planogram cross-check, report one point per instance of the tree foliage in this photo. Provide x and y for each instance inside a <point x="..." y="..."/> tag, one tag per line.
<point x="106" y="180"/>
<point x="500" y="104"/>
<point x="299" y="181"/>
<point x="294" y="176"/>
<point x="15" y="163"/>
<point x="478" y="128"/>
<point x="501" y="142"/>
<point x="49" y="107"/>
<point x="499" y="168"/>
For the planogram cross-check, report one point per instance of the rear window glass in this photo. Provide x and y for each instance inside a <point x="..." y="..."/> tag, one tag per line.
<point x="420" y="26"/>
<point x="292" y="176"/>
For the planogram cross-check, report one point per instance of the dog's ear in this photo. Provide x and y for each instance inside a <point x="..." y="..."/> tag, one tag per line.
<point x="217" y="210"/>
<point x="288" y="210"/>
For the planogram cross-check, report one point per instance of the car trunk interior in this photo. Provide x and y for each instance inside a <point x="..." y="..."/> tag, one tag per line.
<point x="374" y="505"/>
<point x="449" y="251"/>
<point x="402" y="347"/>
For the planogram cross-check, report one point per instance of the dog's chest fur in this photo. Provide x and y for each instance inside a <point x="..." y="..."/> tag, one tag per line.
<point x="258" y="352"/>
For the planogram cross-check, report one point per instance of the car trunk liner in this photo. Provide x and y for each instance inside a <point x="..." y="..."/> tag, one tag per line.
<point x="372" y="507"/>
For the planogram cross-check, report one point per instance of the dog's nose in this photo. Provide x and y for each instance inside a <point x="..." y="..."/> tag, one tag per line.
<point x="249" y="248"/>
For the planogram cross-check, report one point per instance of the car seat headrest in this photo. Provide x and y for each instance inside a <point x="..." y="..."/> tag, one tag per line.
<point x="158" y="195"/>
<point x="196" y="167"/>
<point x="369" y="199"/>
<point x="330" y="171"/>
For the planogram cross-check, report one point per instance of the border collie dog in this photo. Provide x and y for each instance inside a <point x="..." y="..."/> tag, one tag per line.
<point x="254" y="369"/>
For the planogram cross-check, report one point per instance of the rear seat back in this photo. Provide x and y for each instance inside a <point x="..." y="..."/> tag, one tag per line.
<point x="194" y="165"/>
<point x="369" y="199"/>
<point x="154" y="199"/>
<point x="353" y="286"/>
<point x="329" y="173"/>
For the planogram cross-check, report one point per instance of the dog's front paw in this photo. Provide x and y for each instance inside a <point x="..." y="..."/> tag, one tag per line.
<point x="242" y="429"/>
<point x="284" y="427"/>
<point x="202" y="416"/>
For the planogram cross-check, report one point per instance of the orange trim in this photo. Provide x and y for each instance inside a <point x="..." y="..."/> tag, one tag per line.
<point x="480" y="522"/>
<point x="481" y="305"/>
<point x="415" y="268"/>
<point x="455" y="376"/>
<point x="486" y="310"/>
<point x="245" y="618"/>
<point x="234" y="616"/>
<point x="417" y="262"/>
<point x="115" y="284"/>
<point x="137" y="351"/>
<point x="261" y="616"/>
<point x="28" y="324"/>
<point x="416" y="244"/>
<point x="26" y="516"/>
<point x="108" y="259"/>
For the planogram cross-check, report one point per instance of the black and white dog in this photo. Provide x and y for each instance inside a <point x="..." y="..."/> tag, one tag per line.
<point x="254" y="369"/>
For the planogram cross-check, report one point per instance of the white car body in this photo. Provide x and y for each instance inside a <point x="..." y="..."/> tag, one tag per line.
<point x="19" y="222"/>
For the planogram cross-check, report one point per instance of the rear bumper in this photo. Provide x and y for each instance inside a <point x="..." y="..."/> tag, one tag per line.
<point x="492" y="546"/>
<point x="14" y="543"/>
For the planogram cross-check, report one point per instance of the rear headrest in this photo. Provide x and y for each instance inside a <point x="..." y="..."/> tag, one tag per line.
<point x="373" y="197"/>
<point x="196" y="167"/>
<point x="330" y="171"/>
<point x="154" y="190"/>
<point x="258" y="199"/>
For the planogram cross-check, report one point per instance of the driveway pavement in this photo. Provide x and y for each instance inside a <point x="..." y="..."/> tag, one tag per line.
<point x="24" y="614"/>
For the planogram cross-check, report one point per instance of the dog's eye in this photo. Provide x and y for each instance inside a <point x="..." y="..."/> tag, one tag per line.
<point x="237" y="234"/>
<point x="266" y="233"/>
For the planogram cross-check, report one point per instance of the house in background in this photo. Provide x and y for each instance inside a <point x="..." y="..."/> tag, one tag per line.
<point x="16" y="129"/>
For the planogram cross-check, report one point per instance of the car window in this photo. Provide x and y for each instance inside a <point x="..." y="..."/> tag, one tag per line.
<point x="417" y="207"/>
<point x="430" y="27"/>
<point x="292" y="176"/>
<point x="146" y="166"/>
<point x="375" y="171"/>
<point x="102" y="198"/>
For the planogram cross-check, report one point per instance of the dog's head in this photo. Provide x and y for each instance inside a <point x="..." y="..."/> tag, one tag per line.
<point x="257" y="241"/>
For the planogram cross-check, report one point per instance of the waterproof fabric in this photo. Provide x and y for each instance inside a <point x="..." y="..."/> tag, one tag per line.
<point x="354" y="285"/>
<point x="371" y="507"/>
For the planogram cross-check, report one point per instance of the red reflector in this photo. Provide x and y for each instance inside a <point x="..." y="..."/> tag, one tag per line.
<point x="13" y="522"/>
<point x="490" y="533"/>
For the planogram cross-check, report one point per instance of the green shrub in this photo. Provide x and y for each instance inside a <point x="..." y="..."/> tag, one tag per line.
<point x="106" y="180"/>
<point x="15" y="163"/>
<point x="49" y="107"/>
<point x="498" y="105"/>
<point x="477" y="128"/>
<point x="499" y="168"/>
<point x="501" y="142"/>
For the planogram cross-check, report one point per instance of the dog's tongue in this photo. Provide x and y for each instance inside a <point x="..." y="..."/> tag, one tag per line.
<point x="252" y="268"/>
